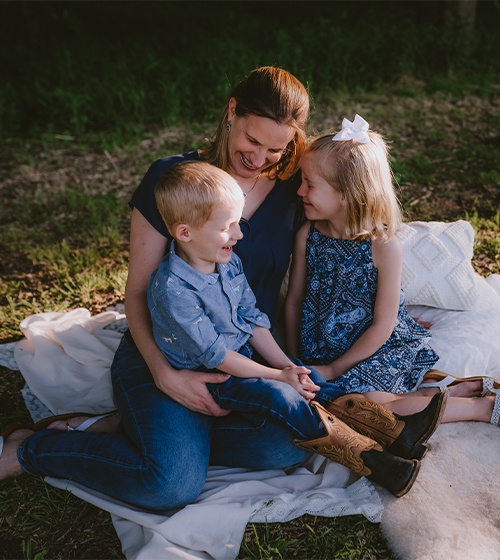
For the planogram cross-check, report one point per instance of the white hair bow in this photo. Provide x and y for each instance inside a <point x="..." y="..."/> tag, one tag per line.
<point x="356" y="130"/>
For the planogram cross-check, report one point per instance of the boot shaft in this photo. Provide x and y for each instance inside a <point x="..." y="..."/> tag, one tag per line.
<point x="362" y="455"/>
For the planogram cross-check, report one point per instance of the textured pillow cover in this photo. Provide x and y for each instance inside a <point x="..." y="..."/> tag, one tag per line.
<point x="437" y="268"/>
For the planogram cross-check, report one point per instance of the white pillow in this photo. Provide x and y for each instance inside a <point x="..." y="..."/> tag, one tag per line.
<point x="437" y="268"/>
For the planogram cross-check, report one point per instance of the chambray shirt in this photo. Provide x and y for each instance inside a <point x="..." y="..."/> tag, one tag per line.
<point x="198" y="317"/>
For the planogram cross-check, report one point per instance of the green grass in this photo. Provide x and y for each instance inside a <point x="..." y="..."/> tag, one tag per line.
<point x="72" y="241"/>
<point x="42" y="520"/>
<point x="351" y="538"/>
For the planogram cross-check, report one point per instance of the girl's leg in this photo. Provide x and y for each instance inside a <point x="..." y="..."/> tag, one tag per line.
<point x="160" y="464"/>
<point x="458" y="409"/>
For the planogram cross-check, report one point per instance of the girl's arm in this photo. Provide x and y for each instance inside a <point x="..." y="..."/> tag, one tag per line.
<point x="296" y="291"/>
<point x="388" y="258"/>
<point x="147" y="247"/>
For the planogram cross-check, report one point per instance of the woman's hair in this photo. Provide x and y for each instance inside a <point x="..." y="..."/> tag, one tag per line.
<point x="277" y="95"/>
<point x="362" y="174"/>
<point x="188" y="191"/>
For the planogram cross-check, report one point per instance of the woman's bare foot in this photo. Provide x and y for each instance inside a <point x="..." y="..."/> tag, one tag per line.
<point x="9" y="463"/>
<point x="107" y="424"/>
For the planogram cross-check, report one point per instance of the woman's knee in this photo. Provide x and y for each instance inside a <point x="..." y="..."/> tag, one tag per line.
<point x="163" y="492"/>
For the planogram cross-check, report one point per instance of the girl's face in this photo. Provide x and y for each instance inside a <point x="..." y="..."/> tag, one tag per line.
<point x="255" y="143"/>
<point x="321" y="200"/>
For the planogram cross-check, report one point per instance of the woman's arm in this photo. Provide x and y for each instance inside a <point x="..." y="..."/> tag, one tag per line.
<point x="388" y="258"/>
<point x="147" y="247"/>
<point x="296" y="291"/>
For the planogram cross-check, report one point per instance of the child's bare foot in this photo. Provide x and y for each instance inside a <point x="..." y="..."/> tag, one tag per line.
<point x="9" y="463"/>
<point x="107" y="424"/>
<point x="466" y="389"/>
<point x="462" y="389"/>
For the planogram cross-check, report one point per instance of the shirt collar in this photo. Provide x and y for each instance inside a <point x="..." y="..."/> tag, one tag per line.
<point x="188" y="274"/>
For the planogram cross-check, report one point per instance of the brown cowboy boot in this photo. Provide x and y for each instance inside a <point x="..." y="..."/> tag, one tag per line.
<point x="404" y="436"/>
<point x="361" y="454"/>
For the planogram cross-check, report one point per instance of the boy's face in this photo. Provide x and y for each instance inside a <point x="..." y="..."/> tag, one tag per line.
<point x="214" y="241"/>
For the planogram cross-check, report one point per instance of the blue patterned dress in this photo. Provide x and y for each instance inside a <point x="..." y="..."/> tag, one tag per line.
<point x="338" y="308"/>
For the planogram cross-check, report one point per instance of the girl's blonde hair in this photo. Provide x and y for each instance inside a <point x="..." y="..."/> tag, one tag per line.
<point x="273" y="93"/>
<point x="188" y="192"/>
<point x="362" y="175"/>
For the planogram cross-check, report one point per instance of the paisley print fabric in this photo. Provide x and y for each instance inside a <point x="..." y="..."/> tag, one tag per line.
<point x="338" y="308"/>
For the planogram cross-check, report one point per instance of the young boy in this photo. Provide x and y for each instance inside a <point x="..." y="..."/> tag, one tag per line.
<point x="204" y="318"/>
<point x="203" y="309"/>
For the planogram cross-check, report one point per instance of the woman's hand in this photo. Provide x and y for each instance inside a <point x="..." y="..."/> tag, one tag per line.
<point x="189" y="388"/>
<point x="298" y="378"/>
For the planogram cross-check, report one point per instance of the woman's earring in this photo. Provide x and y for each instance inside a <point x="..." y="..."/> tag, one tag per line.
<point x="228" y="126"/>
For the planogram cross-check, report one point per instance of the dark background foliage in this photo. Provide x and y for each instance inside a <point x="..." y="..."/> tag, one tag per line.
<point x="116" y="67"/>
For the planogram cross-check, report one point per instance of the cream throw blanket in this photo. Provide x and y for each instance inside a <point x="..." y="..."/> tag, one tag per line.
<point x="452" y="511"/>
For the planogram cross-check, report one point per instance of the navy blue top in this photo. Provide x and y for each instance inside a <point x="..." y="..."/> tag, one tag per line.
<point x="267" y="242"/>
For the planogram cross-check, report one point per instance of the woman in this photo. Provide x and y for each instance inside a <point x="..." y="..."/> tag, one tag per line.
<point x="173" y="427"/>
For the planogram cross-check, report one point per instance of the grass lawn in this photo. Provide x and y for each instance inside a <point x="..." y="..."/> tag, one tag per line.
<point x="64" y="245"/>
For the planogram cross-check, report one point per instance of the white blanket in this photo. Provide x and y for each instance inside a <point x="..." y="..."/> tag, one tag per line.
<point x="467" y="342"/>
<point x="213" y="526"/>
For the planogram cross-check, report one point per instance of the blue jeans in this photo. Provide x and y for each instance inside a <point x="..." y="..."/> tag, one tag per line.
<point x="276" y="401"/>
<point x="161" y="463"/>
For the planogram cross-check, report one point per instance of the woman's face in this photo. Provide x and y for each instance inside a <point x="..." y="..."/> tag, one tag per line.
<point x="255" y="143"/>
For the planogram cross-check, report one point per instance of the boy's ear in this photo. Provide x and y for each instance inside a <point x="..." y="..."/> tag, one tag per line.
<point x="182" y="233"/>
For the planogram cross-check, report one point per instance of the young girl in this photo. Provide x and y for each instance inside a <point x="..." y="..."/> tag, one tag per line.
<point x="345" y="309"/>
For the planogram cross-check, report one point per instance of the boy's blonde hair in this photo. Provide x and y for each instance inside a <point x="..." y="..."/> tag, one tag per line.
<point x="188" y="191"/>
<point x="362" y="175"/>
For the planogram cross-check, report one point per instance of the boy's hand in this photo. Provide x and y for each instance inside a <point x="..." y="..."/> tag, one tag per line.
<point x="298" y="378"/>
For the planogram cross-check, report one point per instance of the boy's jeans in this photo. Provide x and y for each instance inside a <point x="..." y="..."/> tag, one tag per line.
<point x="276" y="401"/>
